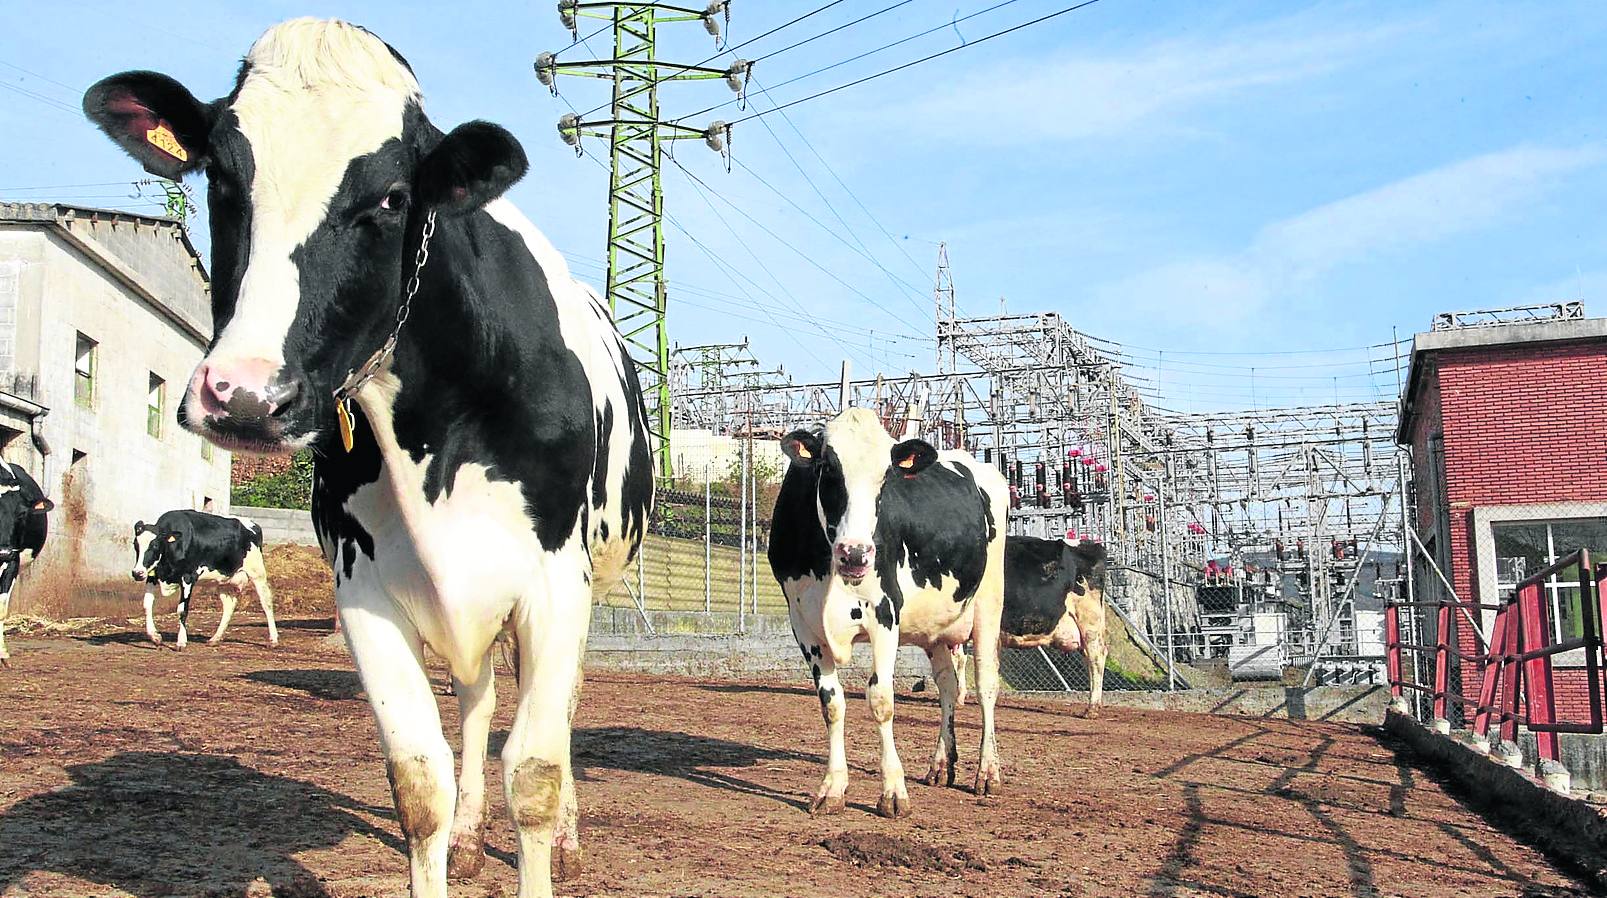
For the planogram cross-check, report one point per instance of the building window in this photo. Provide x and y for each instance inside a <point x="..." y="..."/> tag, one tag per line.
<point x="155" y="402"/>
<point x="1526" y="547"/>
<point x="86" y="358"/>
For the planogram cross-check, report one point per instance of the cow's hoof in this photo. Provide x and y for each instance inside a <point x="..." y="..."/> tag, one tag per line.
<point x="273" y="643"/>
<point x="1092" y="713"/>
<point x="155" y="638"/>
<point x="566" y="863"/>
<point x="5" y="661"/>
<point x="893" y="804"/>
<point x="828" y="804"/>
<point x="937" y="773"/>
<point x="214" y="640"/>
<point x="987" y="785"/>
<point x="465" y="856"/>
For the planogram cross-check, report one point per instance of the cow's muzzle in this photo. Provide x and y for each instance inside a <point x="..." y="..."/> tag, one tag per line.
<point x="854" y="562"/>
<point x="245" y="404"/>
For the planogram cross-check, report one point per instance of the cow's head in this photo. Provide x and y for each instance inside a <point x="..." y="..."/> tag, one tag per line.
<point x="16" y="506"/>
<point x="150" y="541"/>
<point x="850" y="458"/>
<point x="321" y="168"/>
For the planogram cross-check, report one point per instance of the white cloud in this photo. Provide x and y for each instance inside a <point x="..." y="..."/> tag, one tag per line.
<point x="1070" y="95"/>
<point x="1286" y="258"/>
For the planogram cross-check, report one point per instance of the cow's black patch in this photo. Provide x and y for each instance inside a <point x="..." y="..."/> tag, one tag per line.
<point x="599" y="470"/>
<point x="874" y="679"/>
<point x="814" y="671"/>
<point x="887" y="612"/>
<point x="856" y="612"/>
<point x="935" y="525"/>
<point x="23" y="525"/>
<point x="1038" y="575"/>
<point x="797" y="547"/>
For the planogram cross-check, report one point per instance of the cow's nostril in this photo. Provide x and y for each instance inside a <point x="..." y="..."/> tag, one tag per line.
<point x="283" y="396"/>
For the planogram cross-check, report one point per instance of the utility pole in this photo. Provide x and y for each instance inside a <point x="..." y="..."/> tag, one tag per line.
<point x="636" y="132"/>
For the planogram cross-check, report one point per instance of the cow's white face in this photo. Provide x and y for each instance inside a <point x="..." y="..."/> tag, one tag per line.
<point x="145" y="553"/>
<point x="851" y="458"/>
<point x="321" y="167"/>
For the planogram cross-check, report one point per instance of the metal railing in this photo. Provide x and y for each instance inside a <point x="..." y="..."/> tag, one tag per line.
<point x="1515" y="672"/>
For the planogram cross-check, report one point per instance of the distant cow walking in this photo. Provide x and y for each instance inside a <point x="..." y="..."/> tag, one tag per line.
<point x="1054" y="594"/>
<point x="23" y="528"/>
<point x="184" y="548"/>
<point x="890" y="544"/>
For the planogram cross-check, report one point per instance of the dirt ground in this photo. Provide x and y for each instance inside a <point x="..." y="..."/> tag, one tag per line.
<point x="241" y="770"/>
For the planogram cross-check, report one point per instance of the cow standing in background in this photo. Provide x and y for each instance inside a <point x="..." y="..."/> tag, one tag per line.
<point x="481" y="442"/>
<point x="184" y="548"/>
<point x="1054" y="595"/>
<point x="23" y="528"/>
<point x="890" y="544"/>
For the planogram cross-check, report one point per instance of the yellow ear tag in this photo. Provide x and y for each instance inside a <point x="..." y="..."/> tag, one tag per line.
<point x="172" y="539"/>
<point x="344" y="416"/>
<point x="907" y="463"/>
<point x="162" y="138"/>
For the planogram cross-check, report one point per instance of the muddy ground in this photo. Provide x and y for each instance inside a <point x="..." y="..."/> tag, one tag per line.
<point x="244" y="770"/>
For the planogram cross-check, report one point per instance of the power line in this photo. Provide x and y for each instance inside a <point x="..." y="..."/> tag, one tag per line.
<point x="845" y="25"/>
<point x="842" y="62"/>
<point x="835" y="177"/>
<point x="924" y="59"/>
<point x="777" y="237"/>
<point x="48" y="101"/>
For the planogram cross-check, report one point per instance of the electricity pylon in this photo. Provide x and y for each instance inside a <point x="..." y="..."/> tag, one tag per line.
<point x="636" y="133"/>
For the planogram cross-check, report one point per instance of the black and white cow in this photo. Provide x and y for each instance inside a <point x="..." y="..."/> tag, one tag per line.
<point x="890" y="544"/>
<point x="186" y="547"/>
<point x="23" y="528"/>
<point x="1054" y="595"/>
<point x="498" y="473"/>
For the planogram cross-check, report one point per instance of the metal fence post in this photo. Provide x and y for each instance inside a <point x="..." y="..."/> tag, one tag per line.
<point x="742" y="530"/>
<point x="708" y="532"/>
<point x="1166" y="576"/>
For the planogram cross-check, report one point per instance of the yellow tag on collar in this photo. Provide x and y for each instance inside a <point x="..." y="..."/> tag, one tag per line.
<point x="163" y="139"/>
<point x="345" y="418"/>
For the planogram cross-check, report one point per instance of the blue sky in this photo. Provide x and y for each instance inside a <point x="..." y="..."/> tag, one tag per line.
<point x="1246" y="195"/>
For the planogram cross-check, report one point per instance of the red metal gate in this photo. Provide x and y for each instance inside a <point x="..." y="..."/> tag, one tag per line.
<point x="1516" y="684"/>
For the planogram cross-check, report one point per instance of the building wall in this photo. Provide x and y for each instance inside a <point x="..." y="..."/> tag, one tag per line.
<point x="1522" y="425"/>
<point x="105" y="470"/>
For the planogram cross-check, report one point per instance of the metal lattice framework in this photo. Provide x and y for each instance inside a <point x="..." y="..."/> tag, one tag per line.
<point x="1166" y="492"/>
<point x="636" y="290"/>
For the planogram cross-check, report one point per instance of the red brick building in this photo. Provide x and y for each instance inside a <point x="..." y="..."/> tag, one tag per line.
<point x="1507" y="426"/>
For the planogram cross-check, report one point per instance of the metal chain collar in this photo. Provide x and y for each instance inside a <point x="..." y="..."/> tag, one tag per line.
<point x="357" y="378"/>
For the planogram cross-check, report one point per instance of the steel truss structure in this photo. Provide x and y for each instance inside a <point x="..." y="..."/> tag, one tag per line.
<point x="1292" y="500"/>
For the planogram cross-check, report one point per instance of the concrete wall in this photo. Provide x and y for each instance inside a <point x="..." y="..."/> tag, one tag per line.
<point x="282" y="526"/>
<point x="105" y="470"/>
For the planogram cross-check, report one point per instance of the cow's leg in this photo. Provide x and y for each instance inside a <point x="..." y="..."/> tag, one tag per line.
<point x="551" y="632"/>
<point x="566" y="858"/>
<point x="476" y="700"/>
<point x="257" y="572"/>
<point x="957" y="653"/>
<point x="1091" y="620"/>
<point x="985" y="654"/>
<point x="8" y="578"/>
<point x="895" y="800"/>
<point x="418" y="761"/>
<point x="947" y="756"/>
<point x="150" y="616"/>
<point x="831" y="797"/>
<point x="229" y="601"/>
<point x="186" y="590"/>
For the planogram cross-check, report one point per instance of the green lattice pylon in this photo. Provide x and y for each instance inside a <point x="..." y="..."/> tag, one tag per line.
<point x="636" y="290"/>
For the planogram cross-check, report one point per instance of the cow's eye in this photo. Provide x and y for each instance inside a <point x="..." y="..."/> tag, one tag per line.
<point x="395" y="201"/>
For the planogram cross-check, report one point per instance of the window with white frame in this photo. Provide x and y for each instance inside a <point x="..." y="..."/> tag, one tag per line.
<point x="155" y="402"/>
<point x="1523" y="548"/>
<point x="84" y="359"/>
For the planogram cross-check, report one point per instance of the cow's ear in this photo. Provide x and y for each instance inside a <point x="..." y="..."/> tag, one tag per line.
<point x="911" y="457"/>
<point x="470" y="167"/>
<point x="154" y="119"/>
<point x="43" y="504"/>
<point x="803" y="447"/>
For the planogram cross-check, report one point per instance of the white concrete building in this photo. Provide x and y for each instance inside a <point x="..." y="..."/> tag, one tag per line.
<point x="103" y="316"/>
